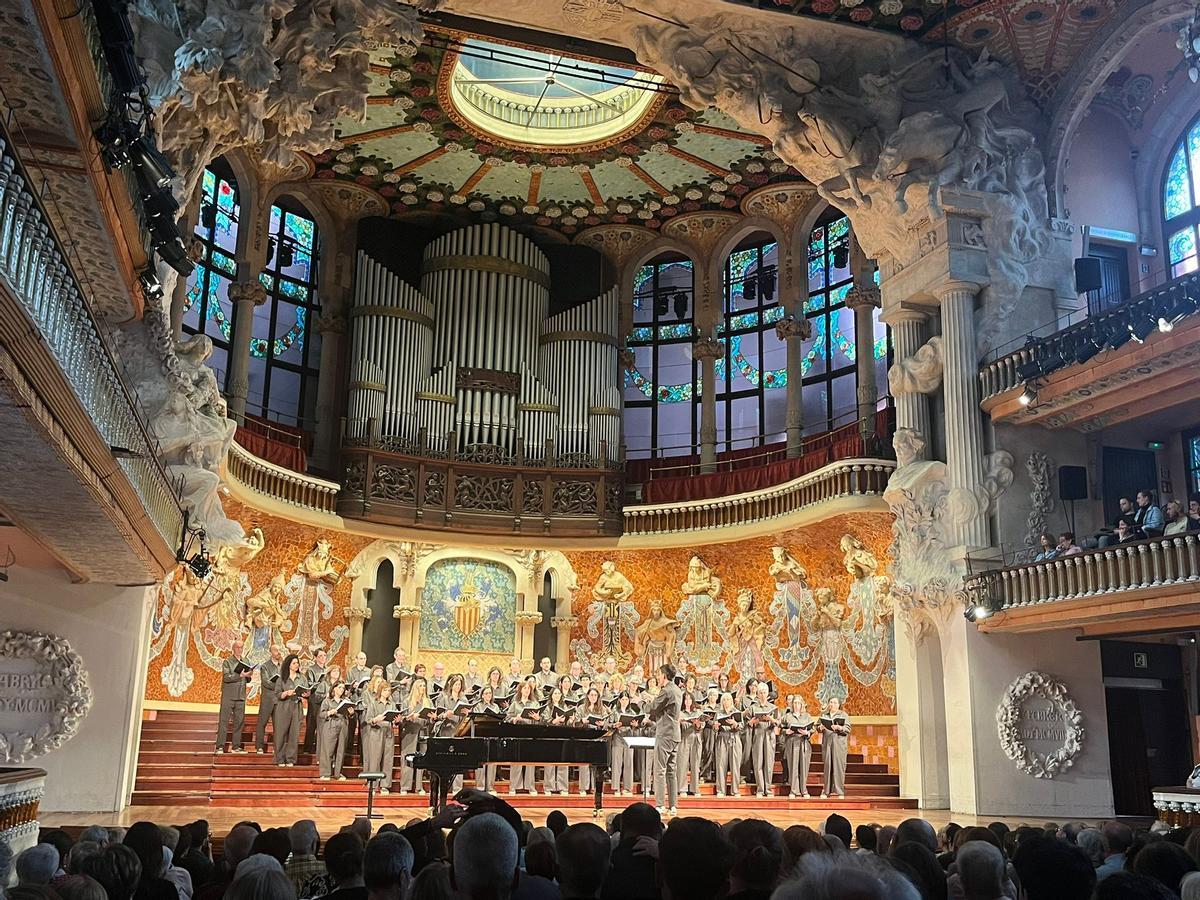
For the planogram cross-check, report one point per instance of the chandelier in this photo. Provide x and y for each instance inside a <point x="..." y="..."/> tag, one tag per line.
<point x="1188" y="43"/>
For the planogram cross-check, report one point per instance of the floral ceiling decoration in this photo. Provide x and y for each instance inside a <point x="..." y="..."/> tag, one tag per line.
<point x="465" y="127"/>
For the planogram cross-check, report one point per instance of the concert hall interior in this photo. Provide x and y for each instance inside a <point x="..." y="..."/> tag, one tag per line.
<point x="765" y="410"/>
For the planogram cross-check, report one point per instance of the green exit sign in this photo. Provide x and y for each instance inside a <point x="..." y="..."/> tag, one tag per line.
<point x="1155" y="445"/>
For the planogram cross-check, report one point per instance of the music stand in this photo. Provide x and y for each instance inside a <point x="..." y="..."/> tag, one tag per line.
<point x="645" y="744"/>
<point x="372" y="779"/>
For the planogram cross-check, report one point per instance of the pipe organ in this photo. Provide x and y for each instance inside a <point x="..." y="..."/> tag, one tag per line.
<point x="474" y="354"/>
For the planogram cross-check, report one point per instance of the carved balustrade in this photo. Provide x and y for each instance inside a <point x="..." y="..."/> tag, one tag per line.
<point x="482" y="493"/>
<point x="1134" y="566"/>
<point x="845" y="478"/>
<point x="21" y="793"/>
<point x="284" y="485"/>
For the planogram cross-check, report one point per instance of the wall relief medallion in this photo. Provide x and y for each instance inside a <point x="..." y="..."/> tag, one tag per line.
<point x="44" y="694"/>
<point x="1040" y="726"/>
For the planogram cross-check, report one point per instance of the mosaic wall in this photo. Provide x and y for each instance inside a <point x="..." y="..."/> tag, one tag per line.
<point x="809" y="608"/>
<point x="283" y="584"/>
<point x="469" y="604"/>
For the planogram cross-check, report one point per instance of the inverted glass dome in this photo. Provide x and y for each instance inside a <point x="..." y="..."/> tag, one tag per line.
<point x="532" y="98"/>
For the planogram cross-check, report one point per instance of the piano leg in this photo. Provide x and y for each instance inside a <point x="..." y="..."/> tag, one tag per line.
<point x="439" y="784"/>
<point x="599" y="776"/>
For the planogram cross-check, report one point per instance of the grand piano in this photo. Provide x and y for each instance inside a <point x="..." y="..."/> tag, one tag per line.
<point x="483" y="740"/>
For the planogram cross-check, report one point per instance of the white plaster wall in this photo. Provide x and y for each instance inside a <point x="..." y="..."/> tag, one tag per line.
<point x="1000" y="788"/>
<point x="1100" y="180"/>
<point x="107" y="626"/>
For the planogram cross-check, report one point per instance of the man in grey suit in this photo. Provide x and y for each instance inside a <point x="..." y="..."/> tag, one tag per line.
<point x="664" y="712"/>
<point x="268" y="694"/>
<point x="233" y="698"/>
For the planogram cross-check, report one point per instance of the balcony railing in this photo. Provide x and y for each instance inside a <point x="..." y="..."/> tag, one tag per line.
<point x="1137" y="565"/>
<point x="34" y="266"/>
<point x="1084" y="340"/>
<point x="283" y="485"/>
<point x="21" y="793"/>
<point x="847" y="478"/>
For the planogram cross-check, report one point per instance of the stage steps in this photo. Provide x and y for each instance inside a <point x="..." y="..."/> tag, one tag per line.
<point x="176" y="766"/>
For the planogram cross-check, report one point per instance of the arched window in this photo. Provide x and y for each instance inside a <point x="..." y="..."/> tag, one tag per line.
<point x="661" y="409"/>
<point x="1181" y="202"/>
<point x="285" y="347"/>
<point x="752" y="374"/>
<point x="207" y="309"/>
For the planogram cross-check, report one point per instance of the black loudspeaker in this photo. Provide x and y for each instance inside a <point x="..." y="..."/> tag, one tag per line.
<point x="1087" y="275"/>
<point x="1072" y="483"/>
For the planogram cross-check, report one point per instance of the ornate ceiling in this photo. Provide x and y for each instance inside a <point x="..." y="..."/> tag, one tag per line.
<point x="473" y="128"/>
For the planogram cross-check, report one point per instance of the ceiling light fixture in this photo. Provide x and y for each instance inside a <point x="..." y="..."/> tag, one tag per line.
<point x="1188" y="43"/>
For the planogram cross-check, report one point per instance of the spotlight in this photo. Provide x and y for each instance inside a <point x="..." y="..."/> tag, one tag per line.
<point x="208" y="216"/>
<point x="1088" y="347"/>
<point x="749" y="288"/>
<point x="681" y="304"/>
<point x="1118" y="336"/>
<point x="271" y="249"/>
<point x="151" y="286"/>
<point x="1028" y="395"/>
<point x="151" y="166"/>
<point x="1027" y="371"/>
<point x="287" y="255"/>
<point x="1176" y="312"/>
<point x="1140" y="329"/>
<point x="662" y="303"/>
<point x="977" y="613"/>
<point x="200" y="565"/>
<point x="841" y="256"/>
<point x="174" y="254"/>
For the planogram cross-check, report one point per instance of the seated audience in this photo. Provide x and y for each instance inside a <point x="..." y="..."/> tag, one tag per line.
<point x="1117" y="839"/>
<point x="387" y="866"/>
<point x="1091" y="842"/>
<point x="198" y="859"/>
<point x="867" y="838"/>
<point x="757" y="858"/>
<point x="117" y="870"/>
<point x="1107" y="536"/>
<point x="632" y="876"/>
<point x="344" y="866"/>
<point x="1046" y="549"/>
<point x="432" y="883"/>
<point x="583" y="852"/>
<point x="36" y="865"/>
<point x="97" y="833"/>
<point x="557" y="822"/>
<point x="799" y="840"/>
<point x="695" y="860"/>
<point x="80" y="887"/>
<point x="1066" y="544"/>
<point x="485" y="859"/>
<point x="917" y="830"/>
<point x="1165" y="862"/>
<point x="304" y="842"/>
<point x="1147" y="518"/>
<point x="921" y="868"/>
<point x="1050" y="869"/>
<point x="981" y="871"/>
<point x="1127" y="886"/>
<point x="839" y="827"/>
<point x="274" y="842"/>
<point x="1174" y="520"/>
<point x="144" y="839"/>
<point x="261" y="882"/>
<point x="237" y="847"/>
<point x="846" y="875"/>
<point x="540" y="860"/>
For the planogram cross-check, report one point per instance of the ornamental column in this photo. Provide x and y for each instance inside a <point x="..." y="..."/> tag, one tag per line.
<point x="410" y="623"/>
<point x="912" y="407"/>
<point x="562" y="626"/>
<point x="864" y="300"/>
<point x="526" y="620"/>
<point x="245" y="296"/>
<point x="331" y="325"/>
<point x="964" y="426"/>
<point x="187" y="226"/>
<point x="795" y="332"/>
<point x="356" y="616"/>
<point x="708" y="350"/>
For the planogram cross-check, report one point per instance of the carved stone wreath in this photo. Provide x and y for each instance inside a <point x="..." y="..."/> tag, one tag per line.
<point x="1008" y="718"/>
<point x="67" y="676"/>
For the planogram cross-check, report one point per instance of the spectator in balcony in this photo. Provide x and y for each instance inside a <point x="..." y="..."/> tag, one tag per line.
<point x="1126" y="533"/>
<point x="1067" y="545"/>
<point x="1193" y="514"/>
<point x="1046" y="547"/>
<point x="1148" y="517"/>
<point x="1174" y="521"/>
<point x="1107" y="536"/>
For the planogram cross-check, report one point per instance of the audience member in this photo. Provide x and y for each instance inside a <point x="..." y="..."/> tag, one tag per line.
<point x="632" y="875"/>
<point x="144" y="839"/>
<point x="1091" y="842"/>
<point x="60" y="841"/>
<point x="80" y="887"/>
<point x="485" y="859"/>
<point x="97" y="833"/>
<point x="1047" y="549"/>
<point x="1189" y="888"/>
<point x="117" y="869"/>
<point x="305" y="842"/>
<point x="432" y="883"/>
<point x="583" y="853"/>
<point x="81" y="851"/>
<point x="1117" y="839"/>
<point x="557" y="822"/>
<point x="757" y="859"/>
<point x="1147" y="518"/>
<point x="695" y="859"/>
<point x="343" y="868"/>
<point x="839" y="827"/>
<point x="198" y="859"/>
<point x="980" y="871"/>
<point x="237" y="847"/>
<point x="887" y="834"/>
<point x="266" y="882"/>
<point x="1050" y="869"/>
<point x="1127" y="886"/>
<point x="540" y="860"/>
<point x="6" y="862"/>
<point x="1165" y="862"/>
<point x="798" y="840"/>
<point x="923" y="869"/>
<point x="181" y="878"/>
<point x="274" y="842"/>
<point x="32" y="892"/>
<point x="825" y="876"/>
<point x="1066" y="544"/>
<point x="1174" y="519"/>
<point x="918" y="831"/>
<point x="867" y="838"/>
<point x="36" y="865"/>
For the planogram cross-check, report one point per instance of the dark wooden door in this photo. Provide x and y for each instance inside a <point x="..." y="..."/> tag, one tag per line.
<point x="1114" y="278"/>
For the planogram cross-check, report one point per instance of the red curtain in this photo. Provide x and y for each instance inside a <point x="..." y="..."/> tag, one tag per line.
<point x="273" y="451"/>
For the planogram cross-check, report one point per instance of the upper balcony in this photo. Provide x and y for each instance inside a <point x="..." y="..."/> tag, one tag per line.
<point x="82" y="472"/>
<point x="1081" y="377"/>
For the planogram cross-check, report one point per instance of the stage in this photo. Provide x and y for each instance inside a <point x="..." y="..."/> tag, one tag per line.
<point x="178" y="771"/>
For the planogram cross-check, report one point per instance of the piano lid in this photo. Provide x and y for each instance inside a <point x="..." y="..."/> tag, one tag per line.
<point x="488" y="726"/>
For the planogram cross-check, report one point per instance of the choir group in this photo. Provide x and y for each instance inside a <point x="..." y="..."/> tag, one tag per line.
<point x="729" y="731"/>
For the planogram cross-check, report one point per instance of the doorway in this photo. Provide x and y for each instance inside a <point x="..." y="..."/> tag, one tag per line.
<point x="543" y="632"/>
<point x="1114" y="278"/>
<point x="381" y="632"/>
<point x="1125" y="473"/>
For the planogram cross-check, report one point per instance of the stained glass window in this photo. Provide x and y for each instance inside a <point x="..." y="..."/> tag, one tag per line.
<point x="1181" y="202"/>
<point x="206" y="306"/>
<point x="285" y="347"/>
<point x="662" y="387"/>
<point x="1191" y="459"/>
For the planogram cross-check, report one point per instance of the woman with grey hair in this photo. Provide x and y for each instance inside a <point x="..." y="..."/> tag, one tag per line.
<point x="1091" y="842"/>
<point x="261" y="883"/>
<point x="36" y="865"/>
<point x="981" y="871"/>
<point x="832" y="876"/>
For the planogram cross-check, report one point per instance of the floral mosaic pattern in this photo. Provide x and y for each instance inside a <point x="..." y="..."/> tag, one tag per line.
<point x="469" y="604"/>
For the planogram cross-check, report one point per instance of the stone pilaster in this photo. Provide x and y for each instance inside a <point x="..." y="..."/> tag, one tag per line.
<point x="562" y="626"/>
<point x="912" y="408"/>
<point x="245" y="296"/>
<point x="964" y="425"/>
<point x="864" y="300"/>
<point x="526" y="621"/>
<point x="708" y="350"/>
<point x="410" y="624"/>
<point x="356" y="616"/>
<point x="795" y="331"/>
<point x="332" y="326"/>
